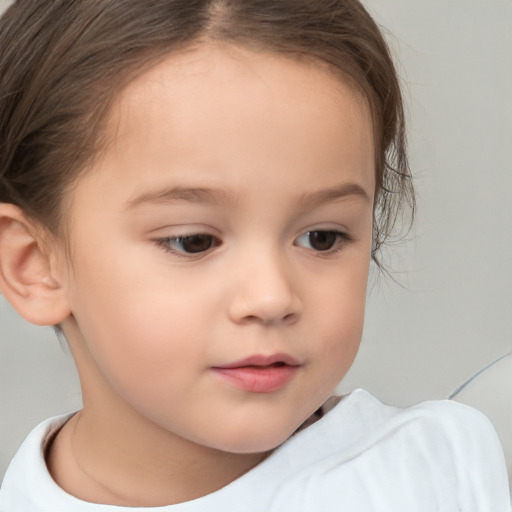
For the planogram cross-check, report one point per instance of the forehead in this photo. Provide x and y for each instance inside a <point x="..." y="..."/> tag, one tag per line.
<point x="218" y="106"/>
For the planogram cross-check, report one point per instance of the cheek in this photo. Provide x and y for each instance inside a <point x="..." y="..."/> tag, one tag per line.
<point x="339" y="317"/>
<point x="146" y="359"/>
<point x="342" y="334"/>
<point x="135" y="331"/>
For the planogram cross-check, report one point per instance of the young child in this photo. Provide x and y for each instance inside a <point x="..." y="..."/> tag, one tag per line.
<point x="192" y="192"/>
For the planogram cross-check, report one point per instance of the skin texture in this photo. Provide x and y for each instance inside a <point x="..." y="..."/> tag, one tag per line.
<point x="261" y="136"/>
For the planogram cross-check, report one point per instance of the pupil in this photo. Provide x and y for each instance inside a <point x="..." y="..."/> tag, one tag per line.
<point x="197" y="243"/>
<point x="322" y="240"/>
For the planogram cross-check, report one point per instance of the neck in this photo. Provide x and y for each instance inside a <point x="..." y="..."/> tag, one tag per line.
<point x="101" y="463"/>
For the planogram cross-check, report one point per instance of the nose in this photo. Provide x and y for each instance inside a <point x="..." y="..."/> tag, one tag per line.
<point x="265" y="292"/>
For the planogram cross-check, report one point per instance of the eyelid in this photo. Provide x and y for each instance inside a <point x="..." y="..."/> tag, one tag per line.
<point x="342" y="238"/>
<point x="181" y="230"/>
<point x="165" y="242"/>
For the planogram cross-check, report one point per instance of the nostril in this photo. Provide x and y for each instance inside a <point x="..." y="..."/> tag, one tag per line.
<point x="290" y="317"/>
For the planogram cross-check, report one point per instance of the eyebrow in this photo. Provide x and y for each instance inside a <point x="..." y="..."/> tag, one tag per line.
<point x="220" y="196"/>
<point x="331" y="194"/>
<point x="188" y="194"/>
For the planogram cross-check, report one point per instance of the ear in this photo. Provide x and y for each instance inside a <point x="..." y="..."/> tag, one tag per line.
<point x="26" y="278"/>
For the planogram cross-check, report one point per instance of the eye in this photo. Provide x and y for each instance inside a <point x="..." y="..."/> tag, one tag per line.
<point x="189" y="244"/>
<point x="321" y="241"/>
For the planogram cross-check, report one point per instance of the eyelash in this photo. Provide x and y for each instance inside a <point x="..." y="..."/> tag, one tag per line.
<point x="340" y="240"/>
<point x="166" y="243"/>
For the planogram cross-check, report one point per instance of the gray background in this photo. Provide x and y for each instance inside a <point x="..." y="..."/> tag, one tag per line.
<point x="453" y="313"/>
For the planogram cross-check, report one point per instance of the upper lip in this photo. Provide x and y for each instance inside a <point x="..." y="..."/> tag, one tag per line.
<point x="262" y="360"/>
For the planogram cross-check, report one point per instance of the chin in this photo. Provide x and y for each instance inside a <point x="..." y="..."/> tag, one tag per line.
<point x="255" y="446"/>
<point x="254" y="439"/>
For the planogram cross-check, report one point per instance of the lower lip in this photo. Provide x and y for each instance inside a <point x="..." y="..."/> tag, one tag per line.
<point x="258" y="379"/>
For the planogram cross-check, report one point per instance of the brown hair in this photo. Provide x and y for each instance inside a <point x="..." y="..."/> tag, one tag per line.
<point x="63" y="62"/>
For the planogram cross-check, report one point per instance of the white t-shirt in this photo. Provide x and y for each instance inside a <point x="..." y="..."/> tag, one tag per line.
<point x="362" y="456"/>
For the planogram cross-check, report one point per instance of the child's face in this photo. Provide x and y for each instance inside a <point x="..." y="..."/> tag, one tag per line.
<point x="231" y="217"/>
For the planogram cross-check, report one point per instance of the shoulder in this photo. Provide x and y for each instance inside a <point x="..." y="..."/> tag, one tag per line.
<point x="438" y="428"/>
<point x="27" y="484"/>
<point x="459" y="422"/>
<point x="451" y="420"/>
<point x="366" y="455"/>
<point x="463" y="433"/>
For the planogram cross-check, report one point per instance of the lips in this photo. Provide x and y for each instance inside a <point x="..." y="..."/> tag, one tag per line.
<point x="259" y="373"/>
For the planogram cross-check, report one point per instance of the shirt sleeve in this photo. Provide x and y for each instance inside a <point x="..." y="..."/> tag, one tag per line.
<point x="478" y="459"/>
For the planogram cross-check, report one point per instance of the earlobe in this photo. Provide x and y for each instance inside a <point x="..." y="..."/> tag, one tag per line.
<point x="26" y="278"/>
